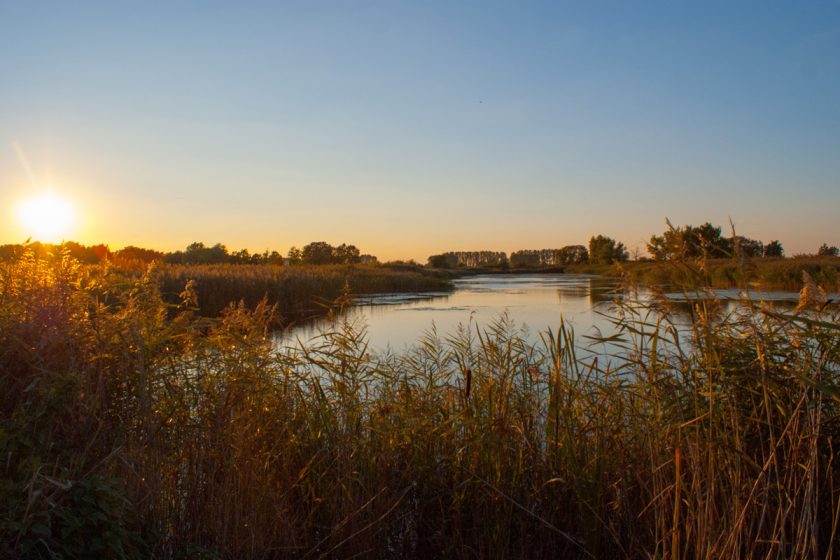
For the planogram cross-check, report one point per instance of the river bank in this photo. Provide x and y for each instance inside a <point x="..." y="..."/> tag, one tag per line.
<point x="770" y="273"/>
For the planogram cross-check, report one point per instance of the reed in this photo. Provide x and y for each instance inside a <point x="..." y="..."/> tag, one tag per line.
<point x="770" y="273"/>
<point x="133" y="427"/>
<point x="297" y="292"/>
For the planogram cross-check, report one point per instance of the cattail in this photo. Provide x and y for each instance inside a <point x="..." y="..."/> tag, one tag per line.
<point x="467" y="383"/>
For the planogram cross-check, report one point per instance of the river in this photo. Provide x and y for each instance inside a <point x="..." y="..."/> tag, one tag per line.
<point x="533" y="303"/>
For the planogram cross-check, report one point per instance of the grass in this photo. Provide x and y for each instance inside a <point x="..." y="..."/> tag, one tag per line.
<point x="297" y="292"/>
<point x="772" y="273"/>
<point x="134" y="428"/>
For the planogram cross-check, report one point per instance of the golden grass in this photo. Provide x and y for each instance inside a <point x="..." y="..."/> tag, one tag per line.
<point x="297" y="292"/>
<point x="134" y="430"/>
<point x="771" y="273"/>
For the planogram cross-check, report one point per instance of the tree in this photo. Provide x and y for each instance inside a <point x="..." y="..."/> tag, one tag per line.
<point x="442" y="261"/>
<point x="318" y="252"/>
<point x="242" y="256"/>
<point x="475" y="259"/>
<point x="138" y="254"/>
<point x="826" y="251"/>
<point x="747" y="247"/>
<point x="295" y="256"/>
<point x="774" y="249"/>
<point x="690" y="242"/>
<point x="605" y="250"/>
<point x="273" y="258"/>
<point x="573" y="254"/>
<point x="88" y="255"/>
<point x="346" y="254"/>
<point x="529" y="258"/>
<point x="525" y="258"/>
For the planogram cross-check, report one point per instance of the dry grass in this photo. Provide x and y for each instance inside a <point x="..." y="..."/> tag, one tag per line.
<point x="772" y="273"/>
<point x="134" y="430"/>
<point x="297" y="292"/>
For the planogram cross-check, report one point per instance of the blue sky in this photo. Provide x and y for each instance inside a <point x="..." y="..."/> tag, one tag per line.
<point x="413" y="128"/>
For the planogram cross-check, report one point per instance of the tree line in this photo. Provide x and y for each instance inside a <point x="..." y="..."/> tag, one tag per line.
<point x="708" y="240"/>
<point x="687" y="241"/>
<point x="468" y="259"/>
<point x="602" y="250"/>
<point x="317" y="252"/>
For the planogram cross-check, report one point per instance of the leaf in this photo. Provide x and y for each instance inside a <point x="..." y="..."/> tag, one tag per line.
<point x="41" y="529"/>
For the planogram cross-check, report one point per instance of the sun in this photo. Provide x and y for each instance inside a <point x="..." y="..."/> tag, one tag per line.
<point x="46" y="217"/>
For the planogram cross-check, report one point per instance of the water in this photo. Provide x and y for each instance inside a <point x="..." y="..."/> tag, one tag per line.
<point x="534" y="302"/>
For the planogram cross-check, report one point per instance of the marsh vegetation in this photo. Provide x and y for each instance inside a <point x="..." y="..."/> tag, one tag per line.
<point x="133" y="427"/>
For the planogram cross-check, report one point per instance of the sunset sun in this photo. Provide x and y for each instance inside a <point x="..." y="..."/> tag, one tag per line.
<point x="46" y="217"/>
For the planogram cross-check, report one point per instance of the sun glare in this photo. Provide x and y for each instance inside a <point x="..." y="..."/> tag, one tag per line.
<point x="46" y="217"/>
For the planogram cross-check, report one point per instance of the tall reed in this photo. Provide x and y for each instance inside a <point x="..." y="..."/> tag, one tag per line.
<point x="135" y="428"/>
<point x="296" y="291"/>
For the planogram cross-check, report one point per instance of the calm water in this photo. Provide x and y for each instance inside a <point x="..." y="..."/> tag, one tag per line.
<point x="532" y="302"/>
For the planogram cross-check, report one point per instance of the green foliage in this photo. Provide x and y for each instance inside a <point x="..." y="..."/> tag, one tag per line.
<point x="707" y="242"/>
<point x="690" y="242"/>
<point x="605" y="250"/>
<point x="89" y="518"/>
<point x="94" y="522"/>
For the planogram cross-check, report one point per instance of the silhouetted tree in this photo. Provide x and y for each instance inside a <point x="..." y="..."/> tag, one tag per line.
<point x="747" y="247"/>
<point x="525" y="258"/>
<point x="273" y="257"/>
<point x="198" y="253"/>
<point x="318" y="252"/>
<point x="243" y="257"/>
<point x="774" y="249"/>
<point x="443" y="261"/>
<point x="826" y="251"/>
<point x="136" y="254"/>
<point x="346" y="254"/>
<point x="476" y="259"/>
<point x="571" y="254"/>
<point x="295" y="256"/>
<point x="11" y="251"/>
<point x="88" y="255"/>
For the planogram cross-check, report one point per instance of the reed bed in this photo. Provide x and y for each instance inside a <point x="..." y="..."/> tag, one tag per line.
<point x="135" y="428"/>
<point x="297" y="292"/>
<point x="770" y="273"/>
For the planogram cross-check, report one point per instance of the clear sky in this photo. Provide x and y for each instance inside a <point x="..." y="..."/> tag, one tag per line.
<point x="410" y="128"/>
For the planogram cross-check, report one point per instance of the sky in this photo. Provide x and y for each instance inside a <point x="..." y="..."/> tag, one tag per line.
<point x="413" y="128"/>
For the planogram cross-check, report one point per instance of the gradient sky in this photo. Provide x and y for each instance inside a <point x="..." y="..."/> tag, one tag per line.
<point x="410" y="128"/>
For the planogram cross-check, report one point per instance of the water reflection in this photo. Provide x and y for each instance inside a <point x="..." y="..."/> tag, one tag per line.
<point x="534" y="303"/>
